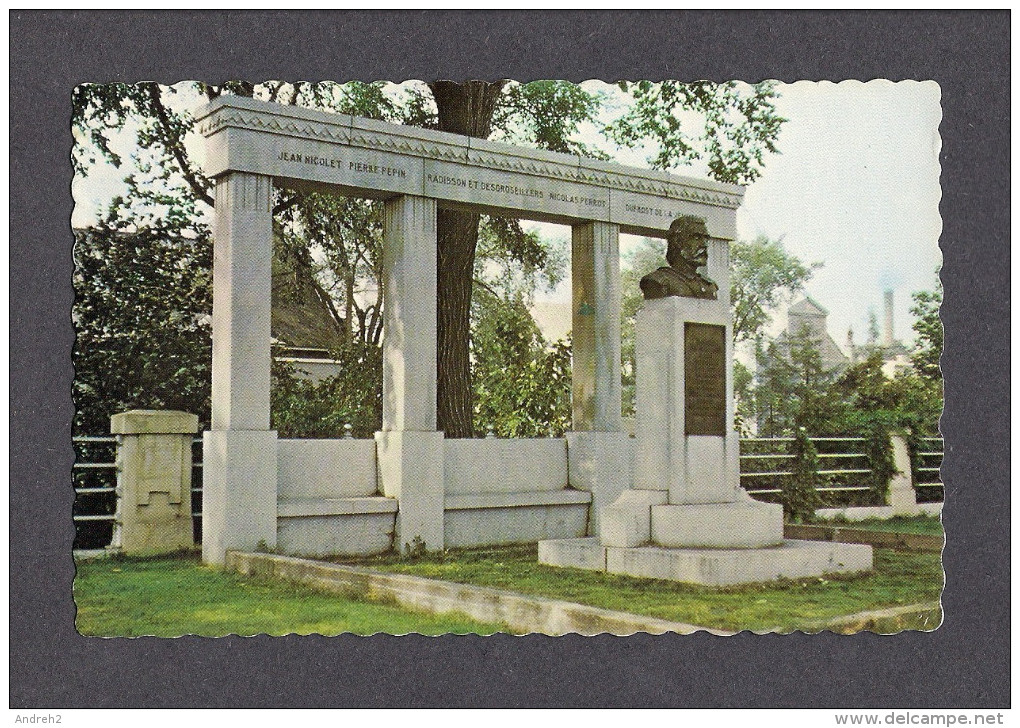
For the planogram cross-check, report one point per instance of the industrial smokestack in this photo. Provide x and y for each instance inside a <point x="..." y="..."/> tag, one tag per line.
<point x="888" y="340"/>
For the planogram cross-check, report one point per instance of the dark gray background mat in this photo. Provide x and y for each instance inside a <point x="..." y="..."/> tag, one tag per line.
<point x="964" y="664"/>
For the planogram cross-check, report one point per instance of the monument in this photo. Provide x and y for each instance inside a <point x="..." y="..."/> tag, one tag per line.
<point x="686" y="518"/>
<point x="679" y="513"/>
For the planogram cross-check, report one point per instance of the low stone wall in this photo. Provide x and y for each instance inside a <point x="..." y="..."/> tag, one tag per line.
<point x="496" y="492"/>
<point x="327" y="500"/>
<point x="519" y="612"/>
<point x="509" y="491"/>
<point x="325" y="468"/>
<point x="504" y="466"/>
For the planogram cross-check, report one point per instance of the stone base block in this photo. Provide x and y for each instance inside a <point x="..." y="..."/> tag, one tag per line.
<point x="627" y="522"/>
<point x="577" y="553"/>
<point x="238" y="492"/>
<point x="411" y="470"/>
<point x="729" y="567"/>
<point x="527" y="524"/>
<point x="710" y="567"/>
<point x="743" y="524"/>
<point x="601" y="463"/>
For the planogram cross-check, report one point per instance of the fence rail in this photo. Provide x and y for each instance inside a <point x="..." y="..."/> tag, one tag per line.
<point x="927" y="467"/>
<point x="94" y="474"/>
<point x="764" y="464"/>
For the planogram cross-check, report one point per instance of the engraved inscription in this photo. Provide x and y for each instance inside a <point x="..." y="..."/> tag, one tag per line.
<point x="644" y="210"/>
<point x="337" y="163"/>
<point x="704" y="379"/>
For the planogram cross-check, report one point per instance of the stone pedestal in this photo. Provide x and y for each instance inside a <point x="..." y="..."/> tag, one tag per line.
<point x="686" y="517"/>
<point x="153" y="481"/>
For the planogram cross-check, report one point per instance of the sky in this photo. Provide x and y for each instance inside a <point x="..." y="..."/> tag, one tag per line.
<point x="855" y="187"/>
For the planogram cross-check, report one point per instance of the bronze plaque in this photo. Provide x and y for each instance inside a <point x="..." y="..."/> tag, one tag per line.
<point x="704" y="379"/>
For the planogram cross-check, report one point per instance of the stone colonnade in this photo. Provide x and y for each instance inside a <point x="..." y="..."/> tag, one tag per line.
<point x="240" y="447"/>
<point x="252" y="145"/>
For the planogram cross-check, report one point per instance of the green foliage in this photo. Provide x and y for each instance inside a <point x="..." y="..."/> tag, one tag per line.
<point x="907" y="402"/>
<point x="743" y="391"/>
<point x="879" y="452"/>
<point x="547" y="115"/>
<point x="522" y="385"/>
<point x="793" y="389"/>
<point x="734" y="128"/>
<point x="763" y="276"/>
<point x="800" y="491"/>
<point x="141" y="317"/>
<point x="301" y="408"/>
<point x="928" y="327"/>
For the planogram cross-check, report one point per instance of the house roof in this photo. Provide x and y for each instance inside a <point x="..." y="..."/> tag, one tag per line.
<point x="808" y="305"/>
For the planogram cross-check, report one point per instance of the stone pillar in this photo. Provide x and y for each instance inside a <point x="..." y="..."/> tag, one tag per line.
<point x="153" y="481"/>
<point x="410" y="450"/>
<point x="599" y="452"/>
<point x="595" y="274"/>
<point x="239" y="453"/>
<point x="902" y="496"/>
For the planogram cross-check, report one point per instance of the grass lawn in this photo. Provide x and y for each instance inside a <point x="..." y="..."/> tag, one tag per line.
<point x="171" y="597"/>
<point x="899" y="579"/>
<point x="926" y="525"/>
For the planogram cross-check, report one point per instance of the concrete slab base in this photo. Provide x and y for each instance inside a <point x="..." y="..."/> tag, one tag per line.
<point x="710" y="567"/>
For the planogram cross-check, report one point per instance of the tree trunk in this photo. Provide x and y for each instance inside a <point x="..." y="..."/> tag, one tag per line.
<point x="464" y="108"/>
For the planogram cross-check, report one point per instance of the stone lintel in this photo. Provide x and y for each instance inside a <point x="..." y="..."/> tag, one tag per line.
<point x="377" y="159"/>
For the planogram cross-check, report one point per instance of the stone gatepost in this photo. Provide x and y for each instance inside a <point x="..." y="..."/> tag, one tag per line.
<point x="597" y="448"/>
<point x="153" y="481"/>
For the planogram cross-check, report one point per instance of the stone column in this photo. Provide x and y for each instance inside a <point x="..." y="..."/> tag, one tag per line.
<point x="595" y="274"/>
<point x="410" y="450"/>
<point x="153" y="481"/>
<point x="599" y="451"/>
<point x="239" y="454"/>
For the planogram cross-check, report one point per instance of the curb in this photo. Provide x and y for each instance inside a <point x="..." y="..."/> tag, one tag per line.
<point x="519" y="612"/>
<point x="878" y="539"/>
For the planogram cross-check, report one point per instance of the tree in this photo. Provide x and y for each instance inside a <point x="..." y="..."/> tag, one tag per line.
<point x="738" y="126"/>
<point x="928" y="327"/>
<point x="141" y="314"/>
<point x="535" y="401"/>
<point x="763" y="276"/>
<point x="800" y="491"/>
<point x="794" y="389"/>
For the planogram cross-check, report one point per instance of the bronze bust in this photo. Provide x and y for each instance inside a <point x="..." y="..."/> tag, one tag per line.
<point x="686" y="251"/>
